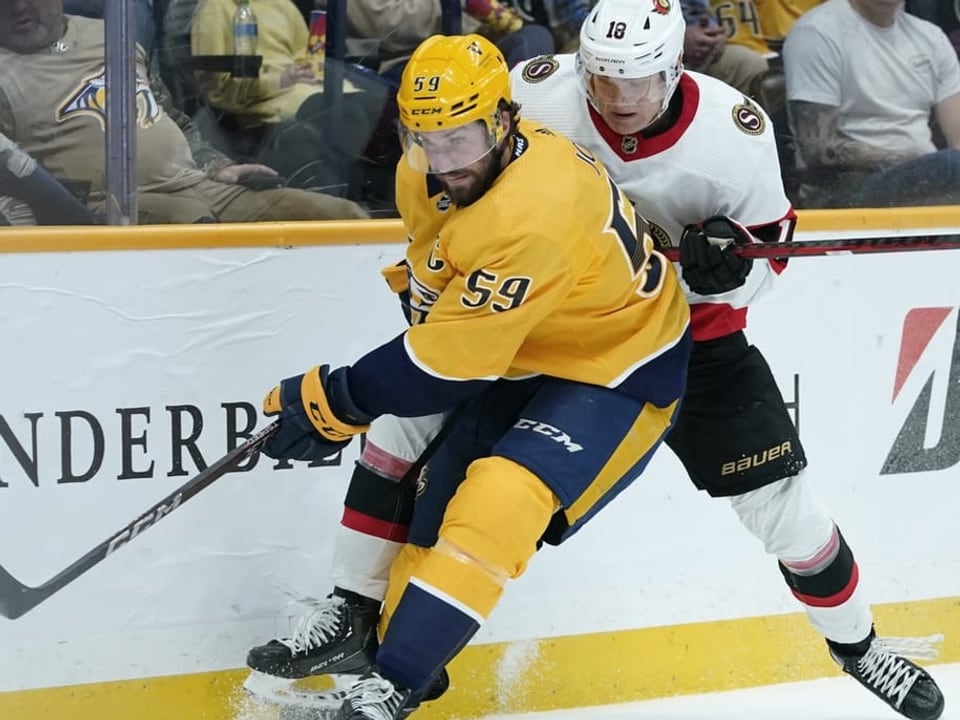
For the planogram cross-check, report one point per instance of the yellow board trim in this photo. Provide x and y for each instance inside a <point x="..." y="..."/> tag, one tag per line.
<point x="202" y="236"/>
<point x="366" y="232"/>
<point x="562" y="672"/>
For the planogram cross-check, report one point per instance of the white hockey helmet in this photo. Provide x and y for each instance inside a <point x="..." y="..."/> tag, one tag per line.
<point x="638" y="40"/>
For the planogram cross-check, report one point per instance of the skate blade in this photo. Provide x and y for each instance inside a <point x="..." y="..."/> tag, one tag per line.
<point x="323" y="694"/>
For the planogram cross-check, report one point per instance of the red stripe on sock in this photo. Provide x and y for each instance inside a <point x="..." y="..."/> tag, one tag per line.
<point x="383" y="462"/>
<point x="369" y="525"/>
<point x="818" y="562"/>
<point x="836" y="599"/>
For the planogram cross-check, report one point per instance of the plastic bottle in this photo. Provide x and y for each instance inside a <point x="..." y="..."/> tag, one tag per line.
<point x="244" y="29"/>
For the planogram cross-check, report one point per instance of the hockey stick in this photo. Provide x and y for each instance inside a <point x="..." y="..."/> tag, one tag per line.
<point x="860" y="245"/>
<point x="17" y="598"/>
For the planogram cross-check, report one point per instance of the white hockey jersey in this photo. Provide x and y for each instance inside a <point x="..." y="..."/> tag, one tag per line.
<point x="719" y="158"/>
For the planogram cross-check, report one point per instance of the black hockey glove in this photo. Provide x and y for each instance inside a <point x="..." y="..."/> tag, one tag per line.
<point x="709" y="264"/>
<point x="332" y="421"/>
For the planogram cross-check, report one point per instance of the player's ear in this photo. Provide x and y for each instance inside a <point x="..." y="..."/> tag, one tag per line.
<point x="509" y="115"/>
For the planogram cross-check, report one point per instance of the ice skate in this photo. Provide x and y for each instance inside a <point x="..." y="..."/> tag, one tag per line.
<point x="336" y="639"/>
<point x="880" y="666"/>
<point x="337" y="635"/>
<point x="373" y="697"/>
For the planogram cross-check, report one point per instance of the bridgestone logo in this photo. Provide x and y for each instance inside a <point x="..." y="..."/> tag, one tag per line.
<point x="910" y="452"/>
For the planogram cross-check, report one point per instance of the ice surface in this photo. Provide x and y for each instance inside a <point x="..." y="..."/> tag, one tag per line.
<point x="839" y="698"/>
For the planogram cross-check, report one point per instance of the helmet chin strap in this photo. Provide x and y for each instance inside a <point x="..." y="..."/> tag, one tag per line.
<point x="668" y="101"/>
<point x="667" y="116"/>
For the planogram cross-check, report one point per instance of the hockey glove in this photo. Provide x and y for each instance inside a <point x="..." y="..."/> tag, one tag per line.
<point x="710" y="265"/>
<point x="317" y="415"/>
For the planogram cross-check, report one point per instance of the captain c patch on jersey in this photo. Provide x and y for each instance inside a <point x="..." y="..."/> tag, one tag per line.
<point x="748" y="119"/>
<point x="89" y="97"/>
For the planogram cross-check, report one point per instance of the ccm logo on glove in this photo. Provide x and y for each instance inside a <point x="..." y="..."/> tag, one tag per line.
<point x="310" y="428"/>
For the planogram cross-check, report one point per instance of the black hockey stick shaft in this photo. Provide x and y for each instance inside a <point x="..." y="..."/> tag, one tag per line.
<point x="811" y="248"/>
<point x="17" y="598"/>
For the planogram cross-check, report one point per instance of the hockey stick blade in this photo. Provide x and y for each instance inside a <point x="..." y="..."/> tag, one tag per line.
<point x="857" y="246"/>
<point x="16" y="599"/>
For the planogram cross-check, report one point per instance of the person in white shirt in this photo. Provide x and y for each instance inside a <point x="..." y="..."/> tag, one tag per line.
<point x="863" y="80"/>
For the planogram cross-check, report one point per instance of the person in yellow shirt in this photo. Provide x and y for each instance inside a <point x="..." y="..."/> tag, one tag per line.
<point x="778" y="16"/>
<point x="287" y="77"/>
<point x="287" y="96"/>
<point x="760" y="25"/>
<point x="738" y="41"/>
<point x="542" y="316"/>
<point x="708" y="48"/>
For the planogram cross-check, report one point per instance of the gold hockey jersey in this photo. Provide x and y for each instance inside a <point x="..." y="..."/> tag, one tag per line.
<point x="550" y="272"/>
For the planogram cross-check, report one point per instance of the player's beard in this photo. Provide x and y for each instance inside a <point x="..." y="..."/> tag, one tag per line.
<point x="482" y="177"/>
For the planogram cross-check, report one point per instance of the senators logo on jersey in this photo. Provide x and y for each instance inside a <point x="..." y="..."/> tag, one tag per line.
<point x="540" y="68"/>
<point x="90" y="98"/>
<point x="748" y="119"/>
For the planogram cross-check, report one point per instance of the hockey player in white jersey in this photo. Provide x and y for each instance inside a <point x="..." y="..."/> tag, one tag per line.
<point x="699" y="161"/>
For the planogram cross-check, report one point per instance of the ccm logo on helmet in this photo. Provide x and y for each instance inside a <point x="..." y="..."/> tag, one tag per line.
<point x="554" y="433"/>
<point x="425" y="111"/>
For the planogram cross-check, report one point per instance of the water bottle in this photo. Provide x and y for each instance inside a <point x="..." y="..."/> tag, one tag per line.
<point x="244" y="29"/>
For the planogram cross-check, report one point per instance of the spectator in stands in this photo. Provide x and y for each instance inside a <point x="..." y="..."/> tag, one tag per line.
<point x="29" y="195"/>
<point x="143" y="14"/>
<point x="401" y="25"/>
<point x="944" y="14"/>
<point x="739" y="43"/>
<point x="289" y="76"/>
<point x="776" y="17"/>
<point x="563" y="17"/>
<point x="863" y="77"/>
<point x="52" y="104"/>
<point x="288" y="94"/>
<point x="708" y="49"/>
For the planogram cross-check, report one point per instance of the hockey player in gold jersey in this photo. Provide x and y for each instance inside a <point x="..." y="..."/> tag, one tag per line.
<point x="541" y="310"/>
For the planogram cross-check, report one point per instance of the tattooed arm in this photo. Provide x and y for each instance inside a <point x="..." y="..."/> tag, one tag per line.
<point x="823" y="146"/>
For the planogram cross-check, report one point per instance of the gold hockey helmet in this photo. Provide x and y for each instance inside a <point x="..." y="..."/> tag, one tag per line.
<point x="449" y="82"/>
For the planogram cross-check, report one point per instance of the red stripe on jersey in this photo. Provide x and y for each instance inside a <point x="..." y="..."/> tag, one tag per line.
<point x="374" y="527"/>
<point x="649" y="146"/>
<point x="835" y="600"/>
<point x="712" y="320"/>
